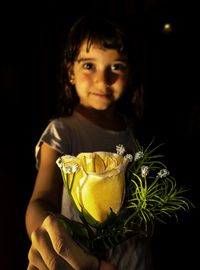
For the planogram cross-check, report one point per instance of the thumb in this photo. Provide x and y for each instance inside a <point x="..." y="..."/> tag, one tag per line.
<point x="66" y="247"/>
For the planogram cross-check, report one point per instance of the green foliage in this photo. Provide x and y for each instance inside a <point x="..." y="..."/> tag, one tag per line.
<point x="153" y="197"/>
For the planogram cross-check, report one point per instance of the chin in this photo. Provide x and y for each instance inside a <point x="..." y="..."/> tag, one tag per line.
<point x="101" y="107"/>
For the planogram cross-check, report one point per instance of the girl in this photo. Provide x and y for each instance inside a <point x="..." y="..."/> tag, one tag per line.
<point x="98" y="113"/>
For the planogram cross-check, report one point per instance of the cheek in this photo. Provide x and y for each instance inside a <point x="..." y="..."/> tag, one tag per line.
<point x="85" y="79"/>
<point x="82" y="84"/>
<point x="121" y="85"/>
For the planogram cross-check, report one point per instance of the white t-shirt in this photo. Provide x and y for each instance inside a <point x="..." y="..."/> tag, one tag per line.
<point x="75" y="134"/>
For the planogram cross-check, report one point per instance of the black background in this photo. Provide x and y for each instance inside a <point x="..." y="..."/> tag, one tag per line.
<point x="31" y="36"/>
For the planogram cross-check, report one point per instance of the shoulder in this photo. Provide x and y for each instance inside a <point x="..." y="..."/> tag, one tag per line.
<point x="61" y="123"/>
<point x="58" y="134"/>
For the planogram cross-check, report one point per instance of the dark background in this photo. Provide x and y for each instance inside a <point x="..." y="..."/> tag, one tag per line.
<point x="31" y="37"/>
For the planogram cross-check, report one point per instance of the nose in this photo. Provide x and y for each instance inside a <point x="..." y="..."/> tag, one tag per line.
<point x="105" y="78"/>
<point x="101" y="80"/>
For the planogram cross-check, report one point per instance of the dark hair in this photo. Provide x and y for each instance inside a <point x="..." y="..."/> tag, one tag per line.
<point x="107" y="34"/>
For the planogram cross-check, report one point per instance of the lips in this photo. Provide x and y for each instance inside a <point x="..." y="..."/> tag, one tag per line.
<point x="101" y="95"/>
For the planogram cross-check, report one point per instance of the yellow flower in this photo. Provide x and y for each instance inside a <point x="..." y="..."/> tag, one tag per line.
<point x="96" y="181"/>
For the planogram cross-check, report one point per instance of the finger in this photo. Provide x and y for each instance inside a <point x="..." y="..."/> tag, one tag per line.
<point x="66" y="247"/>
<point x="32" y="267"/>
<point x="35" y="260"/>
<point x="49" y="258"/>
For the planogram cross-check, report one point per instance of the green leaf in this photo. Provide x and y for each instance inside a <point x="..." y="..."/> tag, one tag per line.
<point x="77" y="230"/>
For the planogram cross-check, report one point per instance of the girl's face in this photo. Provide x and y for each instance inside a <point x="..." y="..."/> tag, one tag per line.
<point x="100" y="76"/>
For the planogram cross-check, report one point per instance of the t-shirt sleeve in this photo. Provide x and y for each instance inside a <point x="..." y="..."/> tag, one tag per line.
<point x="55" y="136"/>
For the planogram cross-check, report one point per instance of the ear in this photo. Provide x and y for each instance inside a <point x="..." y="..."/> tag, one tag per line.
<point x="71" y="75"/>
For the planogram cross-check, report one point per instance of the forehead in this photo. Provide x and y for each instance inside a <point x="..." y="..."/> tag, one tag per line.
<point x="87" y="49"/>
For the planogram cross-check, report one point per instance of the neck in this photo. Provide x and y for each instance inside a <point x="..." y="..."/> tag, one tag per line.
<point x="87" y="111"/>
<point x="108" y="119"/>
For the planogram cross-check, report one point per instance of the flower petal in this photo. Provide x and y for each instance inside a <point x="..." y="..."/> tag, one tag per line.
<point x="99" y="194"/>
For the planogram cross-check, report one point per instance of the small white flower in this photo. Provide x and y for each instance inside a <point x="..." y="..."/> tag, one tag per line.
<point x="74" y="168"/>
<point x="67" y="169"/>
<point x="163" y="173"/>
<point x="144" y="170"/>
<point x="120" y="149"/>
<point x="59" y="162"/>
<point x="129" y="157"/>
<point x="138" y="155"/>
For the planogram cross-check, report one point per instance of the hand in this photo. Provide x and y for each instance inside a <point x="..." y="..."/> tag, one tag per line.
<point x="53" y="249"/>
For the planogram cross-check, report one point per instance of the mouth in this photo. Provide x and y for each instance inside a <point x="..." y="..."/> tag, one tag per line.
<point x="101" y="95"/>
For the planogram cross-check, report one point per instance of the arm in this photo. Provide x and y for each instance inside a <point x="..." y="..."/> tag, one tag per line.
<point x="52" y="247"/>
<point x="47" y="193"/>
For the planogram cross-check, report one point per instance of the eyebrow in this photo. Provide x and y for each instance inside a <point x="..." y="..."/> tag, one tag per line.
<point x="83" y="59"/>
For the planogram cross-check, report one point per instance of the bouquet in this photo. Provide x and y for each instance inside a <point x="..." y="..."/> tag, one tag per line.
<point x="118" y="196"/>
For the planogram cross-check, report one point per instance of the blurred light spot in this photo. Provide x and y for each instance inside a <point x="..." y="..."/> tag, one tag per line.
<point x="167" y="28"/>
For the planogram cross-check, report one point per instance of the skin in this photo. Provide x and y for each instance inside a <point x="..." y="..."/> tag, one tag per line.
<point x="100" y="77"/>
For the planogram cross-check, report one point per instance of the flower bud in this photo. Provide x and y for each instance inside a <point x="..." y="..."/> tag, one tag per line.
<point x="98" y="183"/>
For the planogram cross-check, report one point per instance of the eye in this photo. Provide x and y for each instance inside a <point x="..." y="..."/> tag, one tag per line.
<point x="88" y="65"/>
<point x="118" y="67"/>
